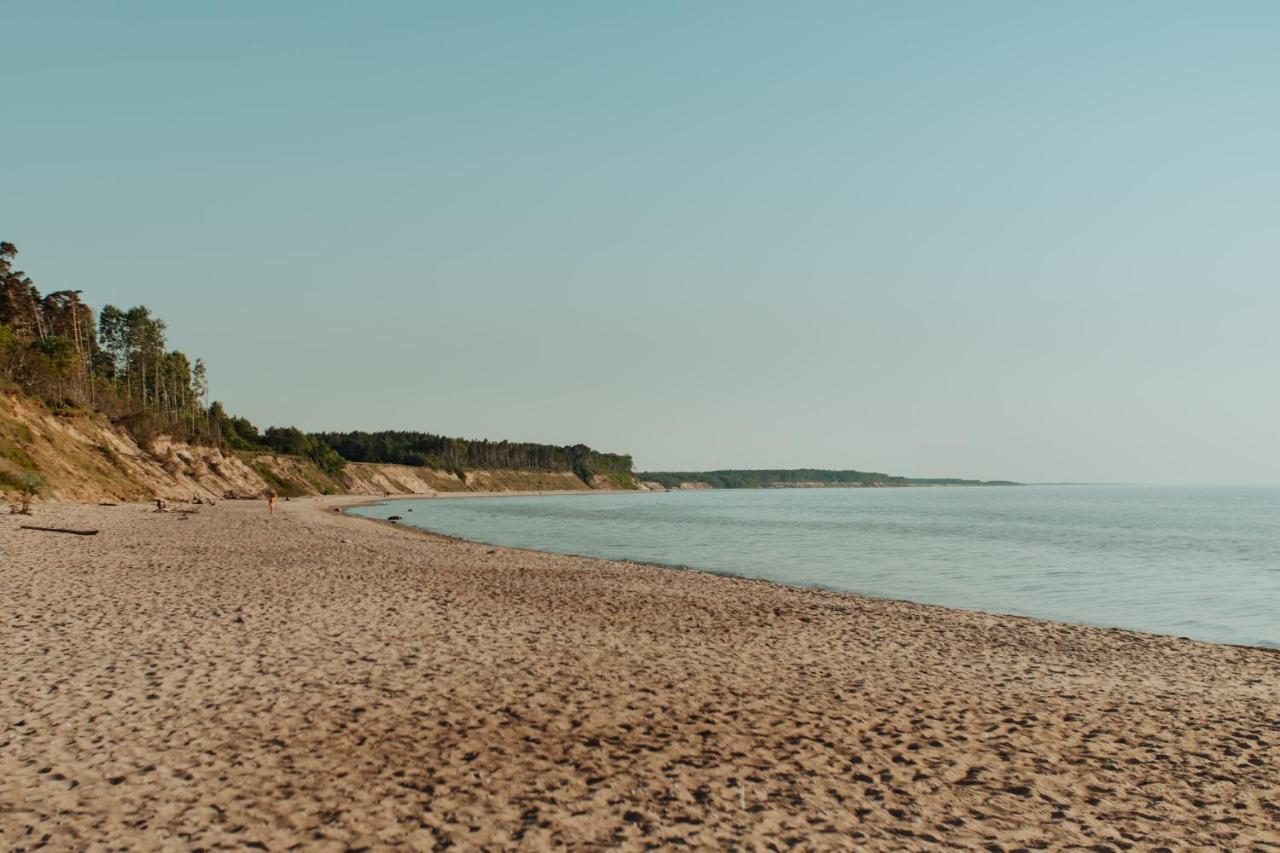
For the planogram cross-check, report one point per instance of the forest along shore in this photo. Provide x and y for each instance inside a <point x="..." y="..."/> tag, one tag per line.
<point x="226" y="676"/>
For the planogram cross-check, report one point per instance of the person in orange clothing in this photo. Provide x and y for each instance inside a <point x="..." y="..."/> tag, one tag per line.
<point x="271" y="502"/>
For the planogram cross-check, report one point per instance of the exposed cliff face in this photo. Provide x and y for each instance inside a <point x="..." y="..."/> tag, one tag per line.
<point x="365" y="478"/>
<point x="85" y="457"/>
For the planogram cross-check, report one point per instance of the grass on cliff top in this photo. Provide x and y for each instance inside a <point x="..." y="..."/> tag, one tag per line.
<point x="300" y="477"/>
<point x="620" y="481"/>
<point x="285" y="488"/>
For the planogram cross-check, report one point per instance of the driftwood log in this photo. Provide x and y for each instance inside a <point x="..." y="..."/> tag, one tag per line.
<point x="59" y="530"/>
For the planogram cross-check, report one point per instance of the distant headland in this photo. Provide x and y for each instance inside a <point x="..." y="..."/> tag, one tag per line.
<point x="796" y="478"/>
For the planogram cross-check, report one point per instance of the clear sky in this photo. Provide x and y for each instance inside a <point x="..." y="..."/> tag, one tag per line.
<point x="983" y="239"/>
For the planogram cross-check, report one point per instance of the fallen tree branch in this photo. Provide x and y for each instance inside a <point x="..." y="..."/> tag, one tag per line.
<point x="59" y="530"/>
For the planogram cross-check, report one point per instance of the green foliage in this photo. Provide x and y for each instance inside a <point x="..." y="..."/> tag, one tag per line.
<point x="28" y="484"/>
<point x="295" y="442"/>
<point x="759" y="479"/>
<point x="458" y="454"/>
<point x="8" y="345"/>
<point x="769" y="478"/>
<point x="51" y="348"/>
<point x="282" y="486"/>
<point x="59" y="353"/>
<point x="289" y="440"/>
<point x="620" y="481"/>
<point x="235" y="433"/>
<point x="952" y="481"/>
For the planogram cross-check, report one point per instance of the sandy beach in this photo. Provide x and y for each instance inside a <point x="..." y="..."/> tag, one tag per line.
<point x="226" y="678"/>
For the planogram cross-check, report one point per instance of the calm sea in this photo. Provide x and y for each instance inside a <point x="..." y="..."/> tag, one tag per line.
<point x="1193" y="562"/>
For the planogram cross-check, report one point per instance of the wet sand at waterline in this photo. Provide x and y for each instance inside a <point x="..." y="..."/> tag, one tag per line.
<point x="309" y="679"/>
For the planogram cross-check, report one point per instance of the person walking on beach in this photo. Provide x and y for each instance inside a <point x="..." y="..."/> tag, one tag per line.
<point x="271" y="502"/>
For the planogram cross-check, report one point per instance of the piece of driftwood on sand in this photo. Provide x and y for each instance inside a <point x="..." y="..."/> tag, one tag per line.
<point x="59" y="530"/>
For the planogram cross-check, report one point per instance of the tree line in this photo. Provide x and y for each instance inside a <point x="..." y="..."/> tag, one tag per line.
<point x="759" y="479"/>
<point x="766" y="478"/>
<point x="456" y="454"/>
<point x="240" y="434"/>
<point x="118" y="362"/>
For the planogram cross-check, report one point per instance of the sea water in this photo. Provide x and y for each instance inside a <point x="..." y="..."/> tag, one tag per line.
<point x="1194" y="562"/>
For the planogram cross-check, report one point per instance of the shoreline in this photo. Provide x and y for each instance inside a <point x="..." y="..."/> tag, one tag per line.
<point x="230" y="677"/>
<point x="370" y="500"/>
<point x="728" y="574"/>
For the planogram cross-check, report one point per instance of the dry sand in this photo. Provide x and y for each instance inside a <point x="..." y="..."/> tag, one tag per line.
<point x="313" y="680"/>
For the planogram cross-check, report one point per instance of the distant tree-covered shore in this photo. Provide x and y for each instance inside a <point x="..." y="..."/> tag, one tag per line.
<point x="457" y="454"/>
<point x="798" y="477"/>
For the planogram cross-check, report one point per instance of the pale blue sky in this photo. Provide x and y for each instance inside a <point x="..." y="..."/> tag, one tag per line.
<point x="1024" y="240"/>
